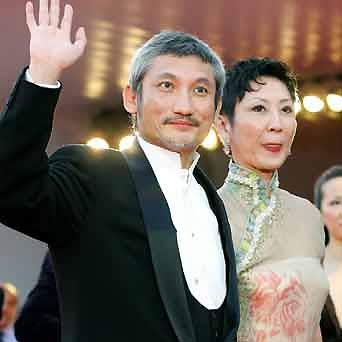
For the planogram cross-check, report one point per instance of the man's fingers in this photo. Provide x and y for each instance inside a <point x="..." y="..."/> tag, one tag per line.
<point x="81" y="40"/>
<point x="80" y="37"/>
<point x="54" y="13"/>
<point x="66" y="22"/>
<point x="30" y="19"/>
<point x="43" y="12"/>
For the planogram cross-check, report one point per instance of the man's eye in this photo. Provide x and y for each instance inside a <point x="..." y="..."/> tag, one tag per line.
<point x="165" y="85"/>
<point x="258" y="108"/>
<point x="201" y="90"/>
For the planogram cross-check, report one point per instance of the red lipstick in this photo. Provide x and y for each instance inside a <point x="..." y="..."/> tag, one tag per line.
<point x="274" y="148"/>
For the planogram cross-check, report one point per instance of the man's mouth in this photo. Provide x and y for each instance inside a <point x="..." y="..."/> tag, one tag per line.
<point x="182" y="122"/>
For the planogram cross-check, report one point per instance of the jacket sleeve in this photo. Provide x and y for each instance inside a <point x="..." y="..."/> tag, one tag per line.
<point x="40" y="197"/>
<point x="39" y="319"/>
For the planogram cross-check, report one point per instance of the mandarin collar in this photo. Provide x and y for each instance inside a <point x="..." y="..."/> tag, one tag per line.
<point x="246" y="180"/>
<point x="164" y="159"/>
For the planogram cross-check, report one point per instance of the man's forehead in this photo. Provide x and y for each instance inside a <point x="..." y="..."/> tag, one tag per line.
<point x="181" y="66"/>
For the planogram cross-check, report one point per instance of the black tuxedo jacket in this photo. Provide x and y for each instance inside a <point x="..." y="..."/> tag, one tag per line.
<point x="39" y="318"/>
<point x="108" y="227"/>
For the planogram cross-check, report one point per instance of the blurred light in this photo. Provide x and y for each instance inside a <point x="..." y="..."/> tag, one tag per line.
<point x="313" y="103"/>
<point x="97" y="45"/>
<point x="98" y="143"/>
<point x="103" y="24"/>
<point x="101" y="52"/>
<point x="334" y="102"/>
<point x="333" y="115"/>
<point x="297" y="105"/>
<point x="136" y="31"/>
<point x="95" y="88"/>
<point x="133" y="38"/>
<point x="309" y="116"/>
<point x="210" y="142"/>
<point x="126" y="142"/>
<point x="97" y="65"/>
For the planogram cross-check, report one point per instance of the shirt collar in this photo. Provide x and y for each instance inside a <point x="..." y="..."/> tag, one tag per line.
<point x="163" y="159"/>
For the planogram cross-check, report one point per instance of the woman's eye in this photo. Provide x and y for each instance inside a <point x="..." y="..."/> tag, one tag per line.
<point x="258" y="108"/>
<point x="335" y="202"/>
<point x="288" y="110"/>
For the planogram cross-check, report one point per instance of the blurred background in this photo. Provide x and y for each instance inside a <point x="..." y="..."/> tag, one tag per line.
<point x="306" y="34"/>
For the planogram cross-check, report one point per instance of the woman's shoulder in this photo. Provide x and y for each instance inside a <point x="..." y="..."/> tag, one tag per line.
<point x="305" y="219"/>
<point x="299" y="204"/>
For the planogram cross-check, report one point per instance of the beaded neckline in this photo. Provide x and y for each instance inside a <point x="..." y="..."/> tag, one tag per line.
<point x="243" y="177"/>
<point x="260" y="200"/>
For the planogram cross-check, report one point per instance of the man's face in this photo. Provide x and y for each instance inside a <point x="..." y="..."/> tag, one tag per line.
<point x="177" y="104"/>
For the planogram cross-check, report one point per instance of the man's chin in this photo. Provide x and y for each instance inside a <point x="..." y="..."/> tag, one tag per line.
<point x="181" y="146"/>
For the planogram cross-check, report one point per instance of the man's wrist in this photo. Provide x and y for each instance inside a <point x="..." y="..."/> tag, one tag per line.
<point x="29" y="78"/>
<point x="43" y="75"/>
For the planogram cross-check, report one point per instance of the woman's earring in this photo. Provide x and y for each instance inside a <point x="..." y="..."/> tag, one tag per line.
<point x="226" y="149"/>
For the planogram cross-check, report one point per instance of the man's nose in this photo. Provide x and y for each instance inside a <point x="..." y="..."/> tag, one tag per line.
<point x="183" y="103"/>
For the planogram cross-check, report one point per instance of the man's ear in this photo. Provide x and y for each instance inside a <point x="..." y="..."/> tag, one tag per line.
<point x="129" y="97"/>
<point x="223" y="128"/>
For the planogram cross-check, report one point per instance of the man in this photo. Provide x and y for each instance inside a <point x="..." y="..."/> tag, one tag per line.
<point x="39" y="318"/>
<point x="146" y="226"/>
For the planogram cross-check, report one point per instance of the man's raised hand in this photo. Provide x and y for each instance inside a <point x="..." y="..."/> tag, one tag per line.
<point x="51" y="48"/>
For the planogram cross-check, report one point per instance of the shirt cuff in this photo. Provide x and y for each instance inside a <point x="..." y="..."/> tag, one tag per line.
<point x="28" y="78"/>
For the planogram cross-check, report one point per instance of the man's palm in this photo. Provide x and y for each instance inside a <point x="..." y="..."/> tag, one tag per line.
<point x="51" y="43"/>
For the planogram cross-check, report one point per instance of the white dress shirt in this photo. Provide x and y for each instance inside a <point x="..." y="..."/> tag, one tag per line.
<point x="199" y="242"/>
<point x="28" y="78"/>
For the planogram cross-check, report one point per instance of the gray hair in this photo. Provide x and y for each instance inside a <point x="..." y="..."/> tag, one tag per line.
<point x="177" y="44"/>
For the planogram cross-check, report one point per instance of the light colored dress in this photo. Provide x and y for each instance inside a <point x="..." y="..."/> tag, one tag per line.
<point x="279" y="246"/>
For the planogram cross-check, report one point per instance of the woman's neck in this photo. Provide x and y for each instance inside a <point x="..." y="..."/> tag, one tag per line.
<point x="266" y="175"/>
<point x="334" y="248"/>
<point x="266" y="180"/>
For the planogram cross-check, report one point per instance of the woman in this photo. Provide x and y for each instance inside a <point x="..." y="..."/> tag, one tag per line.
<point x="328" y="198"/>
<point x="278" y="237"/>
<point x="8" y="310"/>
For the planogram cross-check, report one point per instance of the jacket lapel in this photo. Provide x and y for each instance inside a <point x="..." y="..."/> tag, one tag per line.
<point x="231" y="305"/>
<point x="162" y="239"/>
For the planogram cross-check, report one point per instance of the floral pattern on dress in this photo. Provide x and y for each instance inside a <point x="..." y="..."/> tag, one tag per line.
<point x="277" y="307"/>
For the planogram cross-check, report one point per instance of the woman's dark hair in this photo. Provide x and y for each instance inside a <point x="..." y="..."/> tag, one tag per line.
<point x="331" y="173"/>
<point x="240" y="75"/>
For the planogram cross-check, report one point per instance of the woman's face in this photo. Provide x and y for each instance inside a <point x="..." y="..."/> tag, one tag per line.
<point x="331" y="207"/>
<point x="264" y="126"/>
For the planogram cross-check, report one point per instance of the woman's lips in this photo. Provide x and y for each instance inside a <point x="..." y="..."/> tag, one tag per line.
<point x="274" y="148"/>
